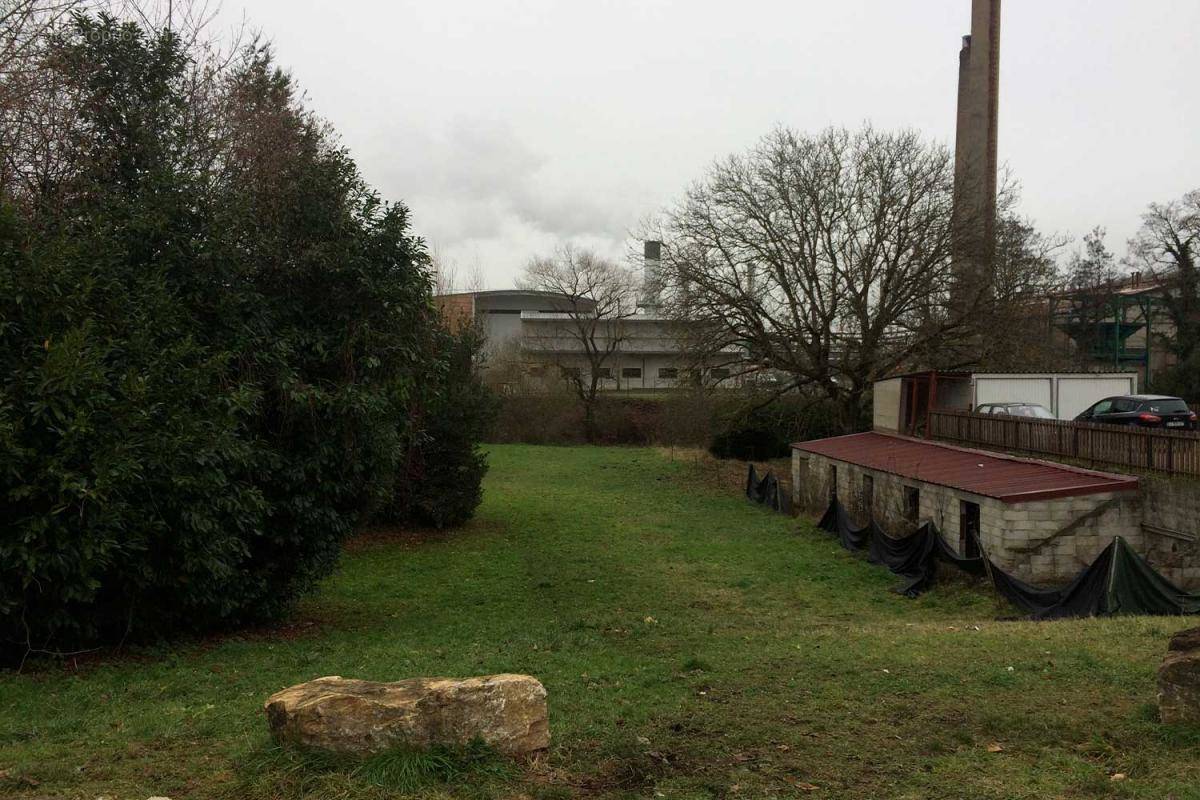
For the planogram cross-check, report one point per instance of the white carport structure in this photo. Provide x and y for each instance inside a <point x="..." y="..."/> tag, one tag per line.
<point x="902" y="402"/>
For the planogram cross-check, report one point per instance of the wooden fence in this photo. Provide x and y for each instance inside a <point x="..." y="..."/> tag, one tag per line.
<point x="1174" y="452"/>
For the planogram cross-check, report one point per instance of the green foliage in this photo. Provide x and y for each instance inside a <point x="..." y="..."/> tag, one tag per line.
<point x="439" y="481"/>
<point x="211" y="336"/>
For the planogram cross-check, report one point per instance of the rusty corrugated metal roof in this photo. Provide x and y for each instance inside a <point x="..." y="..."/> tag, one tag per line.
<point x="1005" y="478"/>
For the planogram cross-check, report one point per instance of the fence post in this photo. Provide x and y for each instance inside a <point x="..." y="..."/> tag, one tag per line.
<point x="1170" y="454"/>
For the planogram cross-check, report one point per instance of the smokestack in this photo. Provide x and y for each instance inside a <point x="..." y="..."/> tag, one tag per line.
<point x="651" y="276"/>
<point x="976" y="151"/>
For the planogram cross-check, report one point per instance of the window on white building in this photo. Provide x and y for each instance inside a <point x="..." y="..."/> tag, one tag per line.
<point x="604" y="373"/>
<point x="718" y="373"/>
<point x="668" y="373"/>
<point x="631" y="372"/>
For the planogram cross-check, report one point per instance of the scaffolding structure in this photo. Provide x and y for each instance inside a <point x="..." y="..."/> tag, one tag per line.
<point x="1112" y="328"/>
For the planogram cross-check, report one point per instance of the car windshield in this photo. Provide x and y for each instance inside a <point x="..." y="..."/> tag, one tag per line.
<point x="1172" y="406"/>
<point x="1039" y="412"/>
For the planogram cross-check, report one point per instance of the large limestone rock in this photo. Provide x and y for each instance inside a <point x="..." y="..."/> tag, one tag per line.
<point x="344" y="715"/>
<point x="1179" y="679"/>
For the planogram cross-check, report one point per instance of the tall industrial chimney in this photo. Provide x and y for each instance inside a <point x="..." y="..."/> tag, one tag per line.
<point x="976" y="151"/>
<point x="651" y="300"/>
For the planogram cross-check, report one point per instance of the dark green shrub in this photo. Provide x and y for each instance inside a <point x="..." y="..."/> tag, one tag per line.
<point x="439" y="480"/>
<point x="123" y="490"/>
<point x="209" y="347"/>
<point x="755" y="440"/>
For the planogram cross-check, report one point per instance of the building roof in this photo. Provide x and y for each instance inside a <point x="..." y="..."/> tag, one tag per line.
<point x="958" y="374"/>
<point x="1005" y="478"/>
<point x="505" y="293"/>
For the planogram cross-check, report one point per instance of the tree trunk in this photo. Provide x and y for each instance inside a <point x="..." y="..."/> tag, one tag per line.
<point x="589" y="419"/>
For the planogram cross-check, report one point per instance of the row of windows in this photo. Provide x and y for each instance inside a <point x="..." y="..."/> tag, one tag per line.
<point x="664" y="373"/>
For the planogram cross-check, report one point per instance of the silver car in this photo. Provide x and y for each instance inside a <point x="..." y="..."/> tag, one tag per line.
<point x="1032" y="410"/>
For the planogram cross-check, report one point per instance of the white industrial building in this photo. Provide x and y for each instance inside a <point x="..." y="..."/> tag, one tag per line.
<point x="538" y="333"/>
<point x="537" y="330"/>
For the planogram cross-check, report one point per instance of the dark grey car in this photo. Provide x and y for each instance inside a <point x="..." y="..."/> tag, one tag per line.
<point x="1142" y="410"/>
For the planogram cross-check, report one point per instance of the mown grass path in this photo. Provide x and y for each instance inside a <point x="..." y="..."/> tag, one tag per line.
<point x="692" y="646"/>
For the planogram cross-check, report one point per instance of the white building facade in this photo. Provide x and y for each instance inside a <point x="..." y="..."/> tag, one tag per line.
<point x="537" y="332"/>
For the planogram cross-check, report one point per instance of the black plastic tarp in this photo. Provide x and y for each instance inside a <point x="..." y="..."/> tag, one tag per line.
<point x="914" y="558"/>
<point x="1119" y="581"/>
<point x="767" y="491"/>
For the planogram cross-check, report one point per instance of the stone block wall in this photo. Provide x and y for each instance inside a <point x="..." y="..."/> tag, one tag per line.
<point x="1050" y="541"/>
<point x="1171" y="527"/>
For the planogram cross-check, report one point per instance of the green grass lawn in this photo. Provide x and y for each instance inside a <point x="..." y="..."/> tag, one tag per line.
<point x="692" y="646"/>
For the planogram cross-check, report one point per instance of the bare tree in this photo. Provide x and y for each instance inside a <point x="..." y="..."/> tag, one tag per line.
<point x="596" y="297"/>
<point x="33" y="113"/>
<point x="476" y="280"/>
<point x="39" y="98"/>
<point x="1168" y="246"/>
<point x="1014" y="325"/>
<point x="827" y="257"/>
<point x="445" y="272"/>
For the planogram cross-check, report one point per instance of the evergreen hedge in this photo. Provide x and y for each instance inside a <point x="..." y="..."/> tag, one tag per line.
<point x="214" y="339"/>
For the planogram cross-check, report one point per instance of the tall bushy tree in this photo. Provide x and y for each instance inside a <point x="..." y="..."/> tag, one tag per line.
<point x="212" y="334"/>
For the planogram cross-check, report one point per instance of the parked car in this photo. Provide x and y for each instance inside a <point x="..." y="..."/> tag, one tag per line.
<point x="1016" y="410"/>
<point x="1143" y="410"/>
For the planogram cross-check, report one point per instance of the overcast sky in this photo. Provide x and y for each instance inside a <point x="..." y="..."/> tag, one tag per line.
<point x="508" y="126"/>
